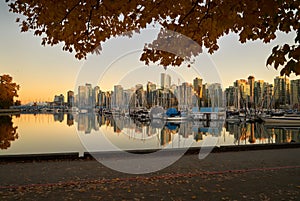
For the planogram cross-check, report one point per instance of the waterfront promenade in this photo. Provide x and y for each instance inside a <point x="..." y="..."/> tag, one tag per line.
<point x="245" y="175"/>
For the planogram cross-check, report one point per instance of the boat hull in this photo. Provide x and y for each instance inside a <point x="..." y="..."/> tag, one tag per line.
<point x="288" y="121"/>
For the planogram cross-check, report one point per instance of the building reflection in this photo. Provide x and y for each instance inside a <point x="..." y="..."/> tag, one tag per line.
<point x="70" y="119"/>
<point x="244" y="133"/>
<point x="87" y="122"/>
<point x="166" y="134"/>
<point x="59" y="116"/>
<point x="250" y="133"/>
<point x="142" y="130"/>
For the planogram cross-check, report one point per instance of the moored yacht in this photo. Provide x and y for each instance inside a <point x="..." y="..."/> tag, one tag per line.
<point x="282" y="120"/>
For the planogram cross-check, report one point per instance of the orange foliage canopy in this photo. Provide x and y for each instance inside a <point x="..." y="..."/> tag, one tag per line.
<point x="83" y="25"/>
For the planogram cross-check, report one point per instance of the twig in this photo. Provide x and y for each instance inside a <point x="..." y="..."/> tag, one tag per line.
<point x="67" y="14"/>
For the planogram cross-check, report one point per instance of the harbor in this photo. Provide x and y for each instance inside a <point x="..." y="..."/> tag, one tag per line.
<point x="44" y="133"/>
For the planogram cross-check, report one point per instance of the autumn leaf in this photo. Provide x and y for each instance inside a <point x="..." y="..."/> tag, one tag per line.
<point x="82" y="26"/>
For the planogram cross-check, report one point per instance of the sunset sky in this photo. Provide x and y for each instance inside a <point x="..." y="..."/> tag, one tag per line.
<point x="43" y="72"/>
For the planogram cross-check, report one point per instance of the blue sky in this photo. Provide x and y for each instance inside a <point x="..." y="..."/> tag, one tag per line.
<point x="43" y="72"/>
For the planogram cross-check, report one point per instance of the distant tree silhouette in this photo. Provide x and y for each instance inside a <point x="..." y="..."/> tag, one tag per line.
<point x="83" y="25"/>
<point x="17" y="102"/>
<point x="8" y="90"/>
<point x="8" y="132"/>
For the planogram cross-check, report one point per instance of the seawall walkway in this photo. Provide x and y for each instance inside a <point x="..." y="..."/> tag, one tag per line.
<point x="247" y="175"/>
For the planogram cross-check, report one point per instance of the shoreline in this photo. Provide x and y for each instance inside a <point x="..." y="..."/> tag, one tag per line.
<point x="187" y="151"/>
<point x="9" y="111"/>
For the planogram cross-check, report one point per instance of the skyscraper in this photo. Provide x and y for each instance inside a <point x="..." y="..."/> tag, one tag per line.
<point x="184" y="96"/>
<point x="197" y="84"/>
<point x="95" y="98"/>
<point x="108" y="99"/>
<point x="251" y="81"/>
<point x="215" y="95"/>
<point x="243" y="93"/>
<point x="118" y="96"/>
<point x="295" y="93"/>
<point x="128" y="95"/>
<point x="165" y="80"/>
<point x="258" y="93"/>
<point x="140" y="95"/>
<point x="89" y="95"/>
<point x="281" y="91"/>
<point x="268" y="95"/>
<point x="230" y="96"/>
<point x="70" y="99"/>
<point x="82" y="96"/>
<point x="85" y="94"/>
<point x="151" y="87"/>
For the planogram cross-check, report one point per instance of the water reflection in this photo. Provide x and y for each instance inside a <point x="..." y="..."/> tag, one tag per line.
<point x="87" y="122"/>
<point x="70" y="119"/>
<point x="61" y="132"/>
<point x="142" y="130"/>
<point x="8" y="132"/>
<point x="59" y="116"/>
<point x="243" y="133"/>
<point x="258" y="133"/>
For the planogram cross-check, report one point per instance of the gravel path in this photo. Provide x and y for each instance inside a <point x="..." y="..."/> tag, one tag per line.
<point x="247" y="175"/>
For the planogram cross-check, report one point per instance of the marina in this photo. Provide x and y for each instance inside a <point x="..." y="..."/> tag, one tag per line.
<point x="85" y="132"/>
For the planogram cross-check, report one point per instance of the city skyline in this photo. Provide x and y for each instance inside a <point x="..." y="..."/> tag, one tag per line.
<point x="198" y="85"/>
<point x="45" y="71"/>
<point x="243" y="93"/>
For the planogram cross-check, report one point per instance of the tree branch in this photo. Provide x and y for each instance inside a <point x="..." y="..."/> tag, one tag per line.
<point x="67" y="14"/>
<point x="89" y="20"/>
<point x="192" y="9"/>
<point x="206" y="13"/>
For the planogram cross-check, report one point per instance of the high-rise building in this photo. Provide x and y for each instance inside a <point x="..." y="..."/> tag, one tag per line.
<point x="101" y="99"/>
<point x="128" y="95"/>
<point x="197" y="84"/>
<point x="251" y="82"/>
<point x="281" y="91"/>
<point x="70" y="99"/>
<point x="165" y="80"/>
<point x="85" y="96"/>
<point x="258" y="93"/>
<point x="268" y="95"/>
<point x="105" y="99"/>
<point x="204" y="100"/>
<point x="184" y="96"/>
<point x="82" y="96"/>
<point x="118" y="96"/>
<point x="215" y="94"/>
<point x="243" y="93"/>
<point x="150" y="94"/>
<point x="89" y="95"/>
<point x="140" y="100"/>
<point x="95" y="97"/>
<point x="151" y="86"/>
<point x="108" y="99"/>
<point x="230" y="96"/>
<point x="295" y="93"/>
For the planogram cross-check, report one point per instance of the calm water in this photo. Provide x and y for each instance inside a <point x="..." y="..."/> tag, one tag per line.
<point x="62" y="133"/>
